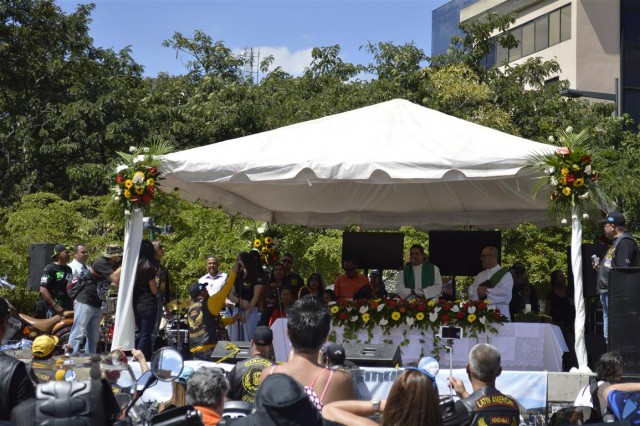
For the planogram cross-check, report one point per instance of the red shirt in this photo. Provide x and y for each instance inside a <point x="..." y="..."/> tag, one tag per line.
<point x="346" y="287"/>
<point x="209" y="417"/>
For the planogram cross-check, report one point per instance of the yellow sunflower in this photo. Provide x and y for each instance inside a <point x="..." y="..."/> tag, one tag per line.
<point x="127" y="194"/>
<point x="335" y="309"/>
<point x="432" y="303"/>
<point x="151" y="181"/>
<point x="471" y="317"/>
<point x="578" y="182"/>
<point x="265" y="249"/>
<point x="566" y="191"/>
<point x="268" y="240"/>
<point x="257" y="243"/>
<point x="563" y="181"/>
<point x="564" y="171"/>
<point x="419" y="316"/>
<point x="395" y="315"/>
<point x="139" y="190"/>
<point x="366" y="317"/>
<point x="128" y="183"/>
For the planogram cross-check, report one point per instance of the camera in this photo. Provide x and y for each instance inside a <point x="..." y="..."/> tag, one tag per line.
<point x="450" y="332"/>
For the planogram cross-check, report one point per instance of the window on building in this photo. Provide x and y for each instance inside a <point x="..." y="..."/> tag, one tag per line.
<point x="554" y="27"/>
<point x="516" y="52"/>
<point x="565" y="23"/>
<point x="542" y="33"/>
<point x="528" y="39"/>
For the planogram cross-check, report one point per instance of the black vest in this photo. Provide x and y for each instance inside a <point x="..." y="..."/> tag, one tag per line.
<point x="487" y="406"/>
<point x="8" y="367"/>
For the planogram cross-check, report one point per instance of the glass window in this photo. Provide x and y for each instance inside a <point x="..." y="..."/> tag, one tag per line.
<point x="631" y="26"/>
<point x="502" y="55"/>
<point x="565" y="23"/>
<point x="516" y="52"/>
<point x="542" y="33"/>
<point x="631" y="65"/>
<point x="528" y="39"/>
<point x="554" y="27"/>
<point x="490" y="60"/>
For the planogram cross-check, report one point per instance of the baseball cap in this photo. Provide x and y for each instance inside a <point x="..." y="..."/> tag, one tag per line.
<point x="184" y="376"/>
<point x="113" y="250"/>
<point x="263" y="336"/>
<point x="336" y="354"/>
<point x="44" y="345"/>
<point x="375" y="272"/>
<point x="614" y="218"/>
<point x="59" y="248"/>
<point x="196" y="289"/>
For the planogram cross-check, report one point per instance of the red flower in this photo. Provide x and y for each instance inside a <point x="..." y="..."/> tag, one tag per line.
<point x="571" y="178"/>
<point x="146" y="198"/>
<point x="374" y="305"/>
<point x="153" y="170"/>
<point x="586" y="159"/>
<point x="563" y="150"/>
<point x="447" y="306"/>
<point x="151" y="189"/>
<point x="119" y="179"/>
<point x="446" y="319"/>
<point x="460" y="314"/>
<point x="343" y="316"/>
<point x="595" y="177"/>
<point x="496" y="315"/>
<point x="392" y="303"/>
<point x="554" y="195"/>
<point x="402" y="309"/>
<point x="421" y="307"/>
<point x="482" y="306"/>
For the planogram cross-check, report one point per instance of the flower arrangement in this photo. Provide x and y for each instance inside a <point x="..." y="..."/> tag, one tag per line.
<point x="572" y="176"/>
<point x="137" y="178"/>
<point x="266" y="243"/>
<point x="474" y="317"/>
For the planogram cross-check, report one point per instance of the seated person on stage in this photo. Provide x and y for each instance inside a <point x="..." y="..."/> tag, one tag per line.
<point x="494" y="283"/>
<point x="205" y="323"/>
<point x="419" y="278"/>
<point x="608" y="372"/>
<point x="523" y="293"/>
<point x="486" y="405"/>
<point x="244" y="378"/>
<point x="348" y="284"/>
<point x="286" y="300"/>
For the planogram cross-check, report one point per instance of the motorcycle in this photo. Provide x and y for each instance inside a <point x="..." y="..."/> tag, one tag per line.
<point x="76" y="392"/>
<point x="24" y="326"/>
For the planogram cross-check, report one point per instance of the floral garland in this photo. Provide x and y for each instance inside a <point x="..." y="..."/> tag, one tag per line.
<point x="474" y="317"/>
<point x="266" y="243"/>
<point x="572" y="176"/>
<point x="137" y="178"/>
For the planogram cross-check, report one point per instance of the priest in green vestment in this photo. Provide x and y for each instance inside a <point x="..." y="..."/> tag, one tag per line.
<point x="419" y="278"/>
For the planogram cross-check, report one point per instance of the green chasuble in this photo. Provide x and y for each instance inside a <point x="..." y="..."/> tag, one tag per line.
<point x="428" y="275"/>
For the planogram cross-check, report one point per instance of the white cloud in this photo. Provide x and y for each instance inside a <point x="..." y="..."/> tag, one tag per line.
<point x="291" y="62"/>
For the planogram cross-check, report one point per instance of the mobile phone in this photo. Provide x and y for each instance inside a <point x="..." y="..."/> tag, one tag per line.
<point x="450" y="332"/>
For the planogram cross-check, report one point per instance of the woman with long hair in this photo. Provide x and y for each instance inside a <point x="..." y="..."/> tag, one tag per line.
<point x="163" y="296"/>
<point x="286" y="300"/>
<point x="412" y="401"/>
<point x="145" y="305"/>
<point x="314" y="286"/>
<point x="272" y="293"/>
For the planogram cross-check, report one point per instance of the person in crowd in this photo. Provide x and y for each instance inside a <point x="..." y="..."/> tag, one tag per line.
<point x="163" y="295"/>
<point x="246" y="294"/>
<point x="215" y="280"/>
<point x="205" y="328"/>
<point x="79" y="263"/>
<point x="205" y="391"/>
<point x="178" y="391"/>
<point x="350" y="282"/>
<point x="15" y="385"/>
<point x="286" y="301"/>
<point x="483" y="368"/>
<point x="244" y="378"/>
<point x="87" y="303"/>
<point x="53" y="284"/>
<point x="329" y="296"/>
<point x="623" y="402"/>
<point x="558" y="304"/>
<point x="291" y="279"/>
<point x="622" y="253"/>
<point x="413" y="401"/>
<point x="308" y="326"/>
<point x="272" y="293"/>
<point x="119" y="356"/>
<point x="419" y="278"/>
<point x="494" y="283"/>
<point x="608" y="372"/>
<point x="281" y="400"/>
<point x="335" y="356"/>
<point x="523" y="292"/>
<point x="144" y="298"/>
<point x="314" y="287"/>
<point x="377" y="285"/>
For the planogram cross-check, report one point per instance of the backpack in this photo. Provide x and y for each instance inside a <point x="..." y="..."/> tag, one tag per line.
<point x="76" y="285"/>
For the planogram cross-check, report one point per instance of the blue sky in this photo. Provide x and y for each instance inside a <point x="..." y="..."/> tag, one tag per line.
<point x="288" y="30"/>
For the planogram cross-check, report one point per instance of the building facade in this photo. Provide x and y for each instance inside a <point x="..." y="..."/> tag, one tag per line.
<point x="595" y="42"/>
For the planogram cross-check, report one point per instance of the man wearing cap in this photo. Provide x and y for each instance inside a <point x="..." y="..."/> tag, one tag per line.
<point x="15" y="385"/>
<point x="244" y="378"/>
<point x="622" y="253"/>
<point x="419" y="278"/>
<point x="53" y="284"/>
<point x="87" y="303"/>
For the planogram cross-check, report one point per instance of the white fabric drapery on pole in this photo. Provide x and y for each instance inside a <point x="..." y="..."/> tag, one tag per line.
<point x="576" y="265"/>
<point x="124" y="329"/>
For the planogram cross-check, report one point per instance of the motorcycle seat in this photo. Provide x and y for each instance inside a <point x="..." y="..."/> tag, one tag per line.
<point x="44" y="325"/>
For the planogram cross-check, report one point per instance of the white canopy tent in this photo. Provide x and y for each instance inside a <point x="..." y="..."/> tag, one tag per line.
<point x="383" y="166"/>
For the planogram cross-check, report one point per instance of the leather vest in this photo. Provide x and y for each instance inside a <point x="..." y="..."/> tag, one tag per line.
<point x="8" y="367"/>
<point x="204" y="327"/>
<point x="487" y="406"/>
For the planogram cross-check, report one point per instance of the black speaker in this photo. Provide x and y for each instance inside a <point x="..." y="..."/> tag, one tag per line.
<point x="624" y="316"/>
<point x="589" y="275"/>
<point x="39" y="257"/>
<point x="229" y="349"/>
<point x="373" y="355"/>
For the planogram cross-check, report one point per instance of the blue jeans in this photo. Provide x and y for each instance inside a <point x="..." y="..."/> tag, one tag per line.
<point x="86" y="322"/>
<point x="244" y="331"/>
<point x="604" y="299"/>
<point x="145" y="322"/>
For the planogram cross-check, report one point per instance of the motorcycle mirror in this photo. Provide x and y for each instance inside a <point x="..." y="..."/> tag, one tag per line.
<point x="167" y="364"/>
<point x="145" y="381"/>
